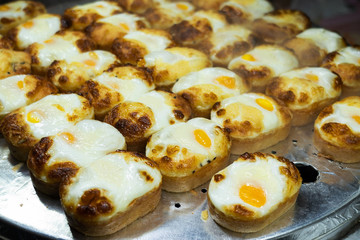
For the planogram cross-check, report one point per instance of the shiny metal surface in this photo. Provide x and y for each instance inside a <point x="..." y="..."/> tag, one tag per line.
<point x="323" y="208"/>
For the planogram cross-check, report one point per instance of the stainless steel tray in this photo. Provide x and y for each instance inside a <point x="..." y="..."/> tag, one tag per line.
<point x="326" y="206"/>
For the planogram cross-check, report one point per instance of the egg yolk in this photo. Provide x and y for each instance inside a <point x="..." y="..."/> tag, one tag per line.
<point x="124" y="26"/>
<point x="182" y="6"/>
<point x="248" y="57"/>
<point x="20" y="84"/>
<point x="255" y="196"/>
<point x="68" y="137"/>
<point x="264" y="103"/>
<point x="357" y="119"/>
<point x="226" y="81"/>
<point x="29" y="24"/>
<point x="49" y="41"/>
<point x="34" y="116"/>
<point x="312" y="77"/>
<point x="202" y="138"/>
<point x="90" y="62"/>
<point x="59" y="107"/>
<point x="99" y="6"/>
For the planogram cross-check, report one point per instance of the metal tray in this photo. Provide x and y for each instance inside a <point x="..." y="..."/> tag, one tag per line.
<point x="327" y="205"/>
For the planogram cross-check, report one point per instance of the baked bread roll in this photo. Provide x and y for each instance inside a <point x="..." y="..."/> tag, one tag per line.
<point x="17" y="12"/>
<point x="21" y="90"/>
<point x="6" y="43"/>
<point x="135" y="45"/>
<point x="37" y="29"/>
<point x="189" y="154"/>
<point x="208" y="4"/>
<point x="136" y="6"/>
<point x="164" y="14"/>
<point x="337" y="131"/>
<point x="81" y="16"/>
<point x="57" y="157"/>
<point x="70" y="74"/>
<point x="346" y="63"/>
<point x="165" y="64"/>
<point x="94" y="200"/>
<point x="106" y="30"/>
<point x="280" y="25"/>
<point x="262" y="63"/>
<point x="14" y="63"/>
<point x="138" y="120"/>
<point x="228" y="43"/>
<point x="24" y="127"/>
<point x="202" y="89"/>
<point x="253" y="192"/>
<point x="115" y="85"/>
<point x="64" y="45"/>
<point x="306" y="91"/>
<point x="312" y="45"/>
<point x="253" y="120"/>
<point x="239" y="11"/>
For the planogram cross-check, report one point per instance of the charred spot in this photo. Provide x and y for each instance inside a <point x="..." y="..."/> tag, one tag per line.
<point x="5" y="20"/>
<point x="34" y="59"/>
<point x="241" y="210"/>
<point x="303" y="97"/>
<point x="166" y="159"/>
<point x="221" y="112"/>
<point x="290" y="171"/>
<point x="178" y="114"/>
<point x="62" y="171"/>
<point x="146" y="176"/>
<point x="247" y="156"/>
<point x="216" y="106"/>
<point x="128" y="51"/>
<point x="326" y="112"/>
<point x="130" y="128"/>
<point x="85" y="44"/>
<point x="92" y="204"/>
<point x="287" y="96"/>
<point x="218" y="177"/>
<point x="232" y="15"/>
<point x="63" y="79"/>
<point x="38" y="155"/>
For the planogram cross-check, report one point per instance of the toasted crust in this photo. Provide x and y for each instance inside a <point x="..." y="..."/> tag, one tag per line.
<point x="293" y="22"/>
<point x="253" y="225"/>
<point x="136" y="6"/>
<point x="14" y="63"/>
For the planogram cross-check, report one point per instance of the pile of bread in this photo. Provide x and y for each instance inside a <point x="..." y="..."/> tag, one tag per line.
<point x="113" y="101"/>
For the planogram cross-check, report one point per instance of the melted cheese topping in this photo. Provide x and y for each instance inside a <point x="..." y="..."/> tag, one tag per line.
<point x="126" y="21"/>
<point x="118" y="176"/>
<point x="324" y="39"/>
<point x="255" y="8"/>
<point x="285" y="20"/>
<point x="349" y="55"/>
<point x="343" y="112"/>
<point x="228" y="36"/>
<point x="97" y="60"/>
<point x="177" y="9"/>
<point x="160" y="107"/>
<point x="196" y="135"/>
<point x="103" y="8"/>
<point x="84" y="143"/>
<point x="13" y="10"/>
<point x="164" y="56"/>
<point x="217" y="21"/>
<point x="275" y="58"/>
<point x="37" y="29"/>
<point x="152" y="42"/>
<point x="130" y="88"/>
<point x="267" y="112"/>
<point x="256" y="185"/>
<point x="215" y="76"/>
<point x="50" y="115"/>
<point x="316" y="77"/>
<point x="12" y="94"/>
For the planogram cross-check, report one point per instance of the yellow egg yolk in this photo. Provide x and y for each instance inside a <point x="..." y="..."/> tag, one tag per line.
<point x="4" y="8"/>
<point x="20" y="84"/>
<point x="248" y="57"/>
<point x="58" y="106"/>
<point x="90" y="63"/>
<point x="68" y="137"/>
<point x="49" y="41"/>
<point x="255" y="196"/>
<point x="182" y="6"/>
<point x="226" y="81"/>
<point x="312" y="77"/>
<point x="99" y="6"/>
<point x="202" y="138"/>
<point x="124" y="26"/>
<point x="34" y="116"/>
<point x="28" y="24"/>
<point x="264" y="103"/>
<point x="357" y="119"/>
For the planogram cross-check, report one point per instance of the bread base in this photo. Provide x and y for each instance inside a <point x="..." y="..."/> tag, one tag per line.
<point x="340" y="154"/>
<point x="250" y="225"/>
<point x="240" y="146"/>
<point x="19" y="153"/>
<point x="44" y="187"/>
<point x="138" y="208"/>
<point x="199" y="177"/>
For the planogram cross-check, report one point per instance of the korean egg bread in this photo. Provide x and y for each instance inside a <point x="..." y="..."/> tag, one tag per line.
<point x="186" y="83"/>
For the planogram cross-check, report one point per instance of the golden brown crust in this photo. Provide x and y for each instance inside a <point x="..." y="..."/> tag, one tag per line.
<point x="243" y="222"/>
<point x="14" y="63"/>
<point x="235" y="15"/>
<point x="38" y="87"/>
<point x="136" y="6"/>
<point x="6" y="43"/>
<point x="83" y="218"/>
<point x="293" y="23"/>
<point x="306" y="51"/>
